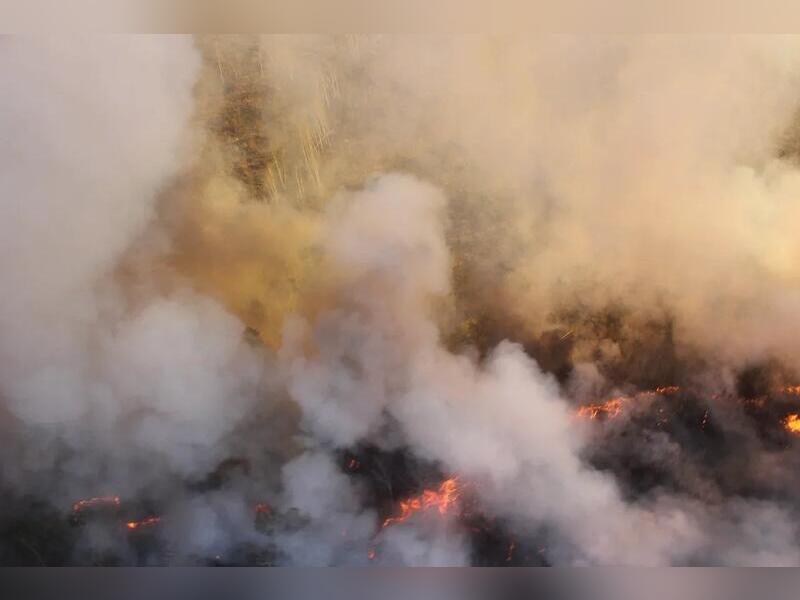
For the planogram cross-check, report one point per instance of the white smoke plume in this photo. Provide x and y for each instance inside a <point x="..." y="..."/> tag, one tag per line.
<point x="93" y="128"/>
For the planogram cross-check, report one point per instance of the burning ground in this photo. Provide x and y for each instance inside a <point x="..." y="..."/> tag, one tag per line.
<point x="385" y="300"/>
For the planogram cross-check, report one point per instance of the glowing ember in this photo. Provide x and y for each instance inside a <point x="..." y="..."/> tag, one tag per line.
<point x="610" y="409"/>
<point x="443" y="500"/>
<point x="791" y="389"/>
<point x="510" y="553"/>
<point x="87" y="503"/>
<point x="759" y="402"/>
<point x="792" y="423"/>
<point x="353" y="465"/>
<point x="667" y="390"/>
<point x="262" y="508"/>
<point x="371" y="554"/>
<point x="144" y="523"/>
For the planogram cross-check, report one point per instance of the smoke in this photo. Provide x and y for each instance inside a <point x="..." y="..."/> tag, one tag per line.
<point x="583" y="172"/>
<point x="502" y="425"/>
<point x="648" y="177"/>
<point x="100" y="390"/>
<point x="229" y="262"/>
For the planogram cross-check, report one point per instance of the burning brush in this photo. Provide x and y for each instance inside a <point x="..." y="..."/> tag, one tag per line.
<point x="90" y="506"/>
<point x="401" y="486"/>
<point x="143" y="524"/>
<point x="90" y="503"/>
<point x="443" y="500"/>
<point x="792" y="423"/>
<point x="613" y="407"/>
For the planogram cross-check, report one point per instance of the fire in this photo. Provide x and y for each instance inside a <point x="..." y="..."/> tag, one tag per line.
<point x="791" y="389"/>
<point x="667" y="390"/>
<point x="87" y="503"/>
<point x="147" y="522"/>
<point x="792" y="423"/>
<point x="609" y="408"/>
<point x="262" y="508"/>
<point x="613" y="407"/>
<point x="443" y="500"/>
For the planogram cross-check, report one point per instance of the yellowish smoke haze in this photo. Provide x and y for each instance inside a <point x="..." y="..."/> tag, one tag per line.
<point x="656" y="174"/>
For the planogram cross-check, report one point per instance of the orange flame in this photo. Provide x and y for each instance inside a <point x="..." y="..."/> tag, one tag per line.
<point x="613" y="407"/>
<point x="609" y="408"/>
<point x="148" y="522"/>
<point x="443" y="500"/>
<point x="82" y="505"/>
<point x="792" y="423"/>
<point x="667" y="390"/>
